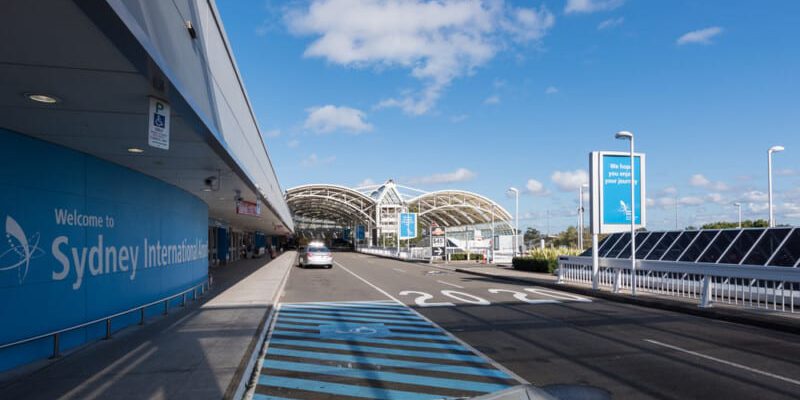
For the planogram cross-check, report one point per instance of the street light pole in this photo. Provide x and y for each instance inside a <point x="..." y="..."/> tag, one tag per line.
<point x="516" y="219"/>
<point x="580" y="215"/>
<point x="739" y="206"/>
<point x="773" y="149"/>
<point x="625" y="135"/>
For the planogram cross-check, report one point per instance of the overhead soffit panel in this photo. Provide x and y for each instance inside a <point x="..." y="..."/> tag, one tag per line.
<point x="58" y="50"/>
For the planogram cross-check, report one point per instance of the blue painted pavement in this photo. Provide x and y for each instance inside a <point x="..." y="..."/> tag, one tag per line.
<point x="374" y="350"/>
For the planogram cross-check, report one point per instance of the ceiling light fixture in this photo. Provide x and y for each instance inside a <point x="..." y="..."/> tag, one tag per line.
<point x="42" y="98"/>
<point x="135" y="150"/>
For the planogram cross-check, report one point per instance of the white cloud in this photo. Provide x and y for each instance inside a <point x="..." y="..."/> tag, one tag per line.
<point x="458" y="118"/>
<point x="669" y="190"/>
<point x="314" y="160"/>
<point x="551" y="90"/>
<point x="492" y="100"/>
<point x="787" y="172"/>
<point x="691" y="201"/>
<point x="755" y="196"/>
<point x="758" y="207"/>
<point x="699" y="180"/>
<point x="459" y="175"/>
<point x="329" y="118"/>
<point x="716" y="198"/>
<point x="700" y="36"/>
<point x="272" y="133"/>
<point x="535" y="187"/>
<point x="366" y="182"/>
<point x="438" y="41"/>
<point x="570" y="180"/>
<point x="789" y="209"/>
<point x="590" y="6"/>
<point x="292" y="143"/>
<point x="610" y="23"/>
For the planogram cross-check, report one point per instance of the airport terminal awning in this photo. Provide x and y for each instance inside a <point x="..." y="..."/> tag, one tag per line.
<point x="104" y="60"/>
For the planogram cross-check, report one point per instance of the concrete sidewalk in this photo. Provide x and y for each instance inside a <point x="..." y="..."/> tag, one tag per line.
<point x="756" y="317"/>
<point x="200" y="352"/>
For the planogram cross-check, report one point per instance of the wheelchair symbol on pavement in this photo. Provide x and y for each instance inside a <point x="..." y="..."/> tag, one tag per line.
<point x="361" y="330"/>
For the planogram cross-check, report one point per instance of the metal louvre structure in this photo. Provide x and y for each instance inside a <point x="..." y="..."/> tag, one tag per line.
<point x="458" y="208"/>
<point x="376" y="207"/>
<point x="750" y="267"/>
<point x="327" y="204"/>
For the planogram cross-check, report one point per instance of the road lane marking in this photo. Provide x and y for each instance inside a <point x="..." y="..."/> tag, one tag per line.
<point x="721" y="361"/>
<point x="524" y="297"/>
<point x="399" y="270"/>
<point x="456" y="338"/>
<point x="558" y="295"/>
<point x="451" y="284"/>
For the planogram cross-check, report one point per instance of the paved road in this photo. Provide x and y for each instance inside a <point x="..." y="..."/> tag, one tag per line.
<point x="555" y="338"/>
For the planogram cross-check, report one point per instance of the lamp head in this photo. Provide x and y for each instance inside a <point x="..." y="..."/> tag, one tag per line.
<point x="775" y="149"/>
<point x="624" y="135"/>
<point x="737" y="204"/>
<point x="513" y="189"/>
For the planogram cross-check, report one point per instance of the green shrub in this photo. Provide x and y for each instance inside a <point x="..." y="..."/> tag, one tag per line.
<point x="533" y="264"/>
<point x="542" y="260"/>
<point x="463" y="257"/>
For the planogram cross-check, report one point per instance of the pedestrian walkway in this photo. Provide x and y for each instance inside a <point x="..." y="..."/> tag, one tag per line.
<point x="197" y="353"/>
<point x="375" y="350"/>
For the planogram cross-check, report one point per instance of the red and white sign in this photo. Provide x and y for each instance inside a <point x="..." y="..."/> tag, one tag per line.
<point x="244" y="207"/>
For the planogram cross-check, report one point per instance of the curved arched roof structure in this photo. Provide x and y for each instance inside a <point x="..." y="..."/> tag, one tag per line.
<point x="457" y="208"/>
<point x="373" y="206"/>
<point x="331" y="203"/>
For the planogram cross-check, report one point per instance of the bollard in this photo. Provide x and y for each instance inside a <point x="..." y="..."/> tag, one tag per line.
<point x="166" y="307"/>
<point x="141" y="316"/>
<point x="56" y="353"/>
<point x="108" y="329"/>
<point x="617" y="280"/>
<point x="705" y="296"/>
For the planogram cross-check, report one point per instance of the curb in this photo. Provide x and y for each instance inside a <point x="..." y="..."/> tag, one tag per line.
<point x="668" y="305"/>
<point x="242" y="379"/>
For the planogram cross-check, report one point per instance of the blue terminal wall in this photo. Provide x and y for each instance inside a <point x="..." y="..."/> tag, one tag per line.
<point x="84" y="238"/>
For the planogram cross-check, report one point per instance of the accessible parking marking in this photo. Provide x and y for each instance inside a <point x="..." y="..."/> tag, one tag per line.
<point x="376" y="350"/>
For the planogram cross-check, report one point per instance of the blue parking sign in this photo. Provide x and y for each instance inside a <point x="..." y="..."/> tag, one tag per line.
<point x="408" y="225"/>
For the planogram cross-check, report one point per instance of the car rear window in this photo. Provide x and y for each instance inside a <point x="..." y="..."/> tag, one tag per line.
<point x="318" y="250"/>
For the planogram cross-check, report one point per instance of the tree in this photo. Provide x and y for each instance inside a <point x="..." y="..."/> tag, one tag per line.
<point x="567" y="238"/>
<point x="532" y="236"/>
<point x="759" y="223"/>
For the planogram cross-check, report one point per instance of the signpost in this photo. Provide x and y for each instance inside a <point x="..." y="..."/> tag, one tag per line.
<point x="360" y="232"/>
<point x="610" y="182"/>
<point x="408" y="225"/>
<point x="244" y="207"/>
<point x="158" y="124"/>
<point x="438" y="242"/>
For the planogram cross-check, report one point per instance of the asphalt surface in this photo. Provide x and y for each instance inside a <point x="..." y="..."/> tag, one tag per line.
<point x="556" y="339"/>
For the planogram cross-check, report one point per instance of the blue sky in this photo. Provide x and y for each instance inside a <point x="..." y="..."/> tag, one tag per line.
<point x="483" y="95"/>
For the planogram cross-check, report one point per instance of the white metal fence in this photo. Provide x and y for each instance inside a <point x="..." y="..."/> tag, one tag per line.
<point x="759" y="287"/>
<point x="413" y="253"/>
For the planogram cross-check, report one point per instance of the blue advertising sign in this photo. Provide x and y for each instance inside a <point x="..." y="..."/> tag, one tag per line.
<point x="408" y="225"/>
<point x="83" y="239"/>
<point x="616" y="189"/>
<point x="360" y="232"/>
<point x="611" y="191"/>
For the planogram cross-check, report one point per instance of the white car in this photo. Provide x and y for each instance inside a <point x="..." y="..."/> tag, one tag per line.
<point x="315" y="256"/>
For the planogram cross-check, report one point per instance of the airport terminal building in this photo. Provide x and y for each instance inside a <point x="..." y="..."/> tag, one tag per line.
<point x="130" y="163"/>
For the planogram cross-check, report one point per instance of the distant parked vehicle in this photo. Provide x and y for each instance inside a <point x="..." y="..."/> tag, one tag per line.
<point x="315" y="255"/>
<point x="341" y="245"/>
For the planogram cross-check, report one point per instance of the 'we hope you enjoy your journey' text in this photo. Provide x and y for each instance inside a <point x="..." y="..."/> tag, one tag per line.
<point x="103" y="258"/>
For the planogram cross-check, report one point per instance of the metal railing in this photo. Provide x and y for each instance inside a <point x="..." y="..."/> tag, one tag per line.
<point x="758" y="287"/>
<point x="201" y="288"/>
<point x="414" y="253"/>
